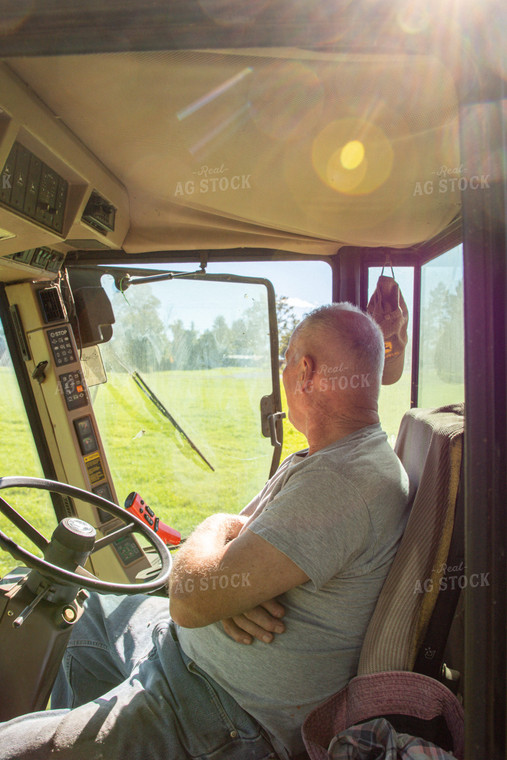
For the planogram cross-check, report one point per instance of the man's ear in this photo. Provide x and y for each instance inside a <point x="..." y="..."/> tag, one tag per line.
<point x="307" y="371"/>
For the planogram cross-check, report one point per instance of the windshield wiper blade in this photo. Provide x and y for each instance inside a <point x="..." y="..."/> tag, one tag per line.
<point x="162" y="409"/>
<point x="144" y="387"/>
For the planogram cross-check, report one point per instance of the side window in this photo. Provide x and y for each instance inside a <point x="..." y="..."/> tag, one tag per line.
<point x="395" y="399"/>
<point x="18" y="456"/>
<point x="441" y="366"/>
<point x="441" y="352"/>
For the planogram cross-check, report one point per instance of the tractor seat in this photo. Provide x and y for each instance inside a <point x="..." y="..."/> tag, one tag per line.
<point x="430" y="445"/>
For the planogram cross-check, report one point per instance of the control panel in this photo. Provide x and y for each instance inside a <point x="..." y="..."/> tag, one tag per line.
<point x="41" y="258"/>
<point x="99" y="213"/>
<point x="73" y="389"/>
<point x="64" y="404"/>
<point x="135" y="504"/>
<point x="31" y="188"/>
<point x="55" y="194"/>
<point x="62" y="345"/>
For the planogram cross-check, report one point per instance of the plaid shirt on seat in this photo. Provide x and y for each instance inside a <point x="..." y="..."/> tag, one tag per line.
<point x="378" y="740"/>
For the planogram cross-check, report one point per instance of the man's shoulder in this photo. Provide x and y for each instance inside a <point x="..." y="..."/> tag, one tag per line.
<point x="363" y="461"/>
<point x="369" y="439"/>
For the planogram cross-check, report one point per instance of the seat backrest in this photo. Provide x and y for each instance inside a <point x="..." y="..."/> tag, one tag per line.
<point x="430" y="445"/>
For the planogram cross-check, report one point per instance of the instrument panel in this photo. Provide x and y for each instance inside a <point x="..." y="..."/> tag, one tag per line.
<point x="64" y="405"/>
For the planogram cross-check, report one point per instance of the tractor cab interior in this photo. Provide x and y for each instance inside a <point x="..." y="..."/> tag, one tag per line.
<point x="174" y="182"/>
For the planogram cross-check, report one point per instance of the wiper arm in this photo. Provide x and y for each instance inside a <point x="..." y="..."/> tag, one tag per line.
<point x="144" y="387"/>
<point x="162" y="409"/>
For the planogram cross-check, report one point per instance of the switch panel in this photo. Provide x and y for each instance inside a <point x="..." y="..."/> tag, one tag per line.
<point x="34" y="190"/>
<point x="73" y="390"/>
<point x="61" y="345"/>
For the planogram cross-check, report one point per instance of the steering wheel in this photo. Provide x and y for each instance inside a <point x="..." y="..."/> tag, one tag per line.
<point x="81" y="577"/>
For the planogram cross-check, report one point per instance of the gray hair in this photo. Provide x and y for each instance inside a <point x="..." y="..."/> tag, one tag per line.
<point x="355" y="331"/>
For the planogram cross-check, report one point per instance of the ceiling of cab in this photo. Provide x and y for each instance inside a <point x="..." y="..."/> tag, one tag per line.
<point x="289" y="150"/>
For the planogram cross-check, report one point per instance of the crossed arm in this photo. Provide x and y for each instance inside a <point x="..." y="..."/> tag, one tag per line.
<point x="221" y="575"/>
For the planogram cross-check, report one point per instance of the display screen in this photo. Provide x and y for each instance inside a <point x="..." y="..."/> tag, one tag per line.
<point x="128" y="550"/>
<point x="85" y="435"/>
<point x="104" y="491"/>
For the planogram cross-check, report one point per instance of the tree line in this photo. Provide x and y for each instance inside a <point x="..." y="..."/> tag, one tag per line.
<point x="141" y="340"/>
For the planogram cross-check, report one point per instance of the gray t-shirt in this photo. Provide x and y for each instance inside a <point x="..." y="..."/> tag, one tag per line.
<point x="339" y="515"/>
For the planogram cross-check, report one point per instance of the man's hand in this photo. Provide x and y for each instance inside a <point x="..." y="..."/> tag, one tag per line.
<point x="261" y="623"/>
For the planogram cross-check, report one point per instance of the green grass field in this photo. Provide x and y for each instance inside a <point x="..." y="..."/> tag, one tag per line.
<point x="218" y="409"/>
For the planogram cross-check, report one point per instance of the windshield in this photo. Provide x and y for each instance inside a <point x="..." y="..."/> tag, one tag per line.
<point x="179" y="415"/>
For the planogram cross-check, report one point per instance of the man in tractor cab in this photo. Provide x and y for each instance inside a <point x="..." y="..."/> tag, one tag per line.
<point x="268" y="609"/>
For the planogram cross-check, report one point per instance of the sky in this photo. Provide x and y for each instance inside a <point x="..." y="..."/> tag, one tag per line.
<point x="306" y="284"/>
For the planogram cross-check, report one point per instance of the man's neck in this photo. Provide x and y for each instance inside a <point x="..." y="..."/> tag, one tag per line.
<point x="321" y="436"/>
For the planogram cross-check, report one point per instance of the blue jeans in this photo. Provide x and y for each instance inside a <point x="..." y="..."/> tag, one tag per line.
<point x="134" y="695"/>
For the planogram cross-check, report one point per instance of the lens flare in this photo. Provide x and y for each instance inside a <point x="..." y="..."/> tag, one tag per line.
<point x="352" y="156"/>
<point x="286" y="99"/>
<point x="413" y="19"/>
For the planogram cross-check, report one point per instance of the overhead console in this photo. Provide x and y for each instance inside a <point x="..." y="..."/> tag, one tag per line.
<point x="55" y="195"/>
<point x="32" y="189"/>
